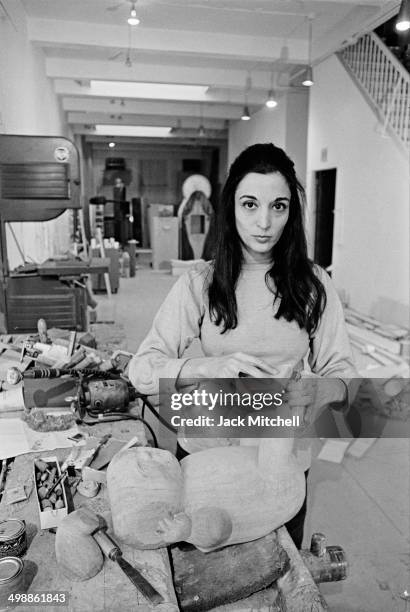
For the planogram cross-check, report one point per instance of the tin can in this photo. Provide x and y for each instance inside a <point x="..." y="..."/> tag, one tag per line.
<point x="11" y="580"/>
<point x="13" y="538"/>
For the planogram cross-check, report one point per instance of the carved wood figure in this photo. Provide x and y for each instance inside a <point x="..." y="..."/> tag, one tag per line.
<point x="214" y="498"/>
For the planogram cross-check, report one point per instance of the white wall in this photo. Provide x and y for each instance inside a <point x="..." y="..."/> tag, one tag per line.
<point x="28" y="105"/>
<point x="285" y="126"/>
<point x="371" y="234"/>
<point x="266" y="125"/>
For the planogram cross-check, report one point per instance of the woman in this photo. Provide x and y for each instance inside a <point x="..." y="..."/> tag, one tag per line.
<point x="260" y="306"/>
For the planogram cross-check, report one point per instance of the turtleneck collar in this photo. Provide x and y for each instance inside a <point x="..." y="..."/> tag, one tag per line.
<point x="257" y="265"/>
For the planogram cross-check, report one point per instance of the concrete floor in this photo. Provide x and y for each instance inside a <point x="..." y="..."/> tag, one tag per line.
<point x="362" y="504"/>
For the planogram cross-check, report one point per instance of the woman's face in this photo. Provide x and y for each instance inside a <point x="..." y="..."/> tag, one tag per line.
<point x="261" y="212"/>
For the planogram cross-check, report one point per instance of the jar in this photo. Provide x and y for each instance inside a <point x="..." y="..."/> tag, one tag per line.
<point x="13" y="538"/>
<point x="11" y="580"/>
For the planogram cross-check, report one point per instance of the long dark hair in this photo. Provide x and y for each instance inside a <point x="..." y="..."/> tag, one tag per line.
<point x="291" y="278"/>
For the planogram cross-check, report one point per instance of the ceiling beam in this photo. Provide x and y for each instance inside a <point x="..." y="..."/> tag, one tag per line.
<point x="113" y="71"/>
<point x="171" y="145"/>
<point x="61" y="33"/>
<point x="190" y="138"/>
<point x="80" y="88"/>
<point x="153" y="107"/>
<point x="152" y="120"/>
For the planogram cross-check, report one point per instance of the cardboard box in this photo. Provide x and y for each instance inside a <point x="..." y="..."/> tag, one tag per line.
<point x="50" y="518"/>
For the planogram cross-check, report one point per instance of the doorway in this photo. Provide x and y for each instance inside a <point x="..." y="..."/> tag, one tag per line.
<point x="325" y="189"/>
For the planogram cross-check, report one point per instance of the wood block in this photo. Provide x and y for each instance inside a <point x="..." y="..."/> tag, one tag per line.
<point x="371" y="337"/>
<point x="205" y="580"/>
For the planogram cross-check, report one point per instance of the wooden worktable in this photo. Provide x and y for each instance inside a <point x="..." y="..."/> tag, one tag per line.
<point x="110" y="590"/>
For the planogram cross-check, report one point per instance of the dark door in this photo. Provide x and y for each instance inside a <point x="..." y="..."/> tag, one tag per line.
<point x="325" y="188"/>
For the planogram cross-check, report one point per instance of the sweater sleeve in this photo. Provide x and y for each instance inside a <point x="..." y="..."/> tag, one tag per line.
<point x="177" y="322"/>
<point x="330" y="351"/>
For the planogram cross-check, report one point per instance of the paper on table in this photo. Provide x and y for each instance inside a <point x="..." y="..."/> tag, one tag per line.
<point x="16" y="438"/>
<point x="13" y="440"/>
<point x="333" y="450"/>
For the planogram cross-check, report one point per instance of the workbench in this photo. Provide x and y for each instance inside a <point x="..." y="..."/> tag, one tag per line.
<point x="110" y="590"/>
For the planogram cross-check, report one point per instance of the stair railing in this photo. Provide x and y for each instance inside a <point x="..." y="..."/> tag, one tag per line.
<point x="384" y="80"/>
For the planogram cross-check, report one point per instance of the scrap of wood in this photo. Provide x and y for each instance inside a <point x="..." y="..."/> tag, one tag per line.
<point x="389" y="330"/>
<point x="371" y="337"/>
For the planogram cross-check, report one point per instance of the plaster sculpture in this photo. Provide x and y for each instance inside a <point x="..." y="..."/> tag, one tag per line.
<point x="213" y="498"/>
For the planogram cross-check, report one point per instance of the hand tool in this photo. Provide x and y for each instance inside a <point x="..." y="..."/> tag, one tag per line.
<point x="113" y="552"/>
<point x="101" y="443"/>
<point x="59" y="480"/>
<point x="72" y="343"/>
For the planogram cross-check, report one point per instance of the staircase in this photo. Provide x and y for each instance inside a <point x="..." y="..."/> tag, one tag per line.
<point x="384" y="82"/>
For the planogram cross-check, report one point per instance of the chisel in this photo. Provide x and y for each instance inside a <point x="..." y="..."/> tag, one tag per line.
<point x="113" y="552"/>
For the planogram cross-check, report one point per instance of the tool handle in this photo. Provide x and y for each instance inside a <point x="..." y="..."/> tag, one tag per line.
<point x="44" y="373"/>
<point x="101" y="443"/>
<point x="59" y="480"/>
<point x="107" y="545"/>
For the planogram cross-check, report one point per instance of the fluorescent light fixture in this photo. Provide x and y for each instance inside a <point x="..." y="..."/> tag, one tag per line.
<point x="403" y="18"/>
<point x="154" y="91"/>
<point x="132" y="130"/>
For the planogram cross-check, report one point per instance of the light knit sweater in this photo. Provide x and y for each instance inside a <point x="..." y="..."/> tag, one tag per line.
<point x="184" y="315"/>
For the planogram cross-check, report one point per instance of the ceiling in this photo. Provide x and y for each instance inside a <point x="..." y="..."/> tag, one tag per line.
<point x="237" y="48"/>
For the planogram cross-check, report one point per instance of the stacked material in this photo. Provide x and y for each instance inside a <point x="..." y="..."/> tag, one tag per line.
<point x="381" y="350"/>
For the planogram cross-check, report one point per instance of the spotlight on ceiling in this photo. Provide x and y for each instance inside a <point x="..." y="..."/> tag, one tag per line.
<point x="111" y="145"/>
<point x="403" y="18"/>
<point x="201" y="131"/>
<point x="271" y="101"/>
<point x="245" y="113"/>
<point x="133" y="19"/>
<point x="308" y="78"/>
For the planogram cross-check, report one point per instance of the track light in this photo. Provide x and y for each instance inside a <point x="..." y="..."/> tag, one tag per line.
<point x="245" y="113"/>
<point x="271" y="101"/>
<point x="403" y="18"/>
<point x="133" y="19"/>
<point x="308" y="78"/>
<point x="201" y="131"/>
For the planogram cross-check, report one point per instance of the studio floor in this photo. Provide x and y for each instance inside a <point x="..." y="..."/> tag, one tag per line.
<point x="361" y="504"/>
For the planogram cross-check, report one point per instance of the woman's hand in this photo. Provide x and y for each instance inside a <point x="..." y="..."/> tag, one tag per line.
<point x="310" y="395"/>
<point x="227" y="366"/>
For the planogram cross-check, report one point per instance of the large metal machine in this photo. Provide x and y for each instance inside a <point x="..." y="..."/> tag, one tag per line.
<point x="39" y="180"/>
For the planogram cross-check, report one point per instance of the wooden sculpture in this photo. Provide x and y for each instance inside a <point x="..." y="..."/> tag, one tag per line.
<point x="214" y="498"/>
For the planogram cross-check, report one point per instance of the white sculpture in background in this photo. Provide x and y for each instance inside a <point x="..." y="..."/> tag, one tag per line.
<point x="194" y="214"/>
